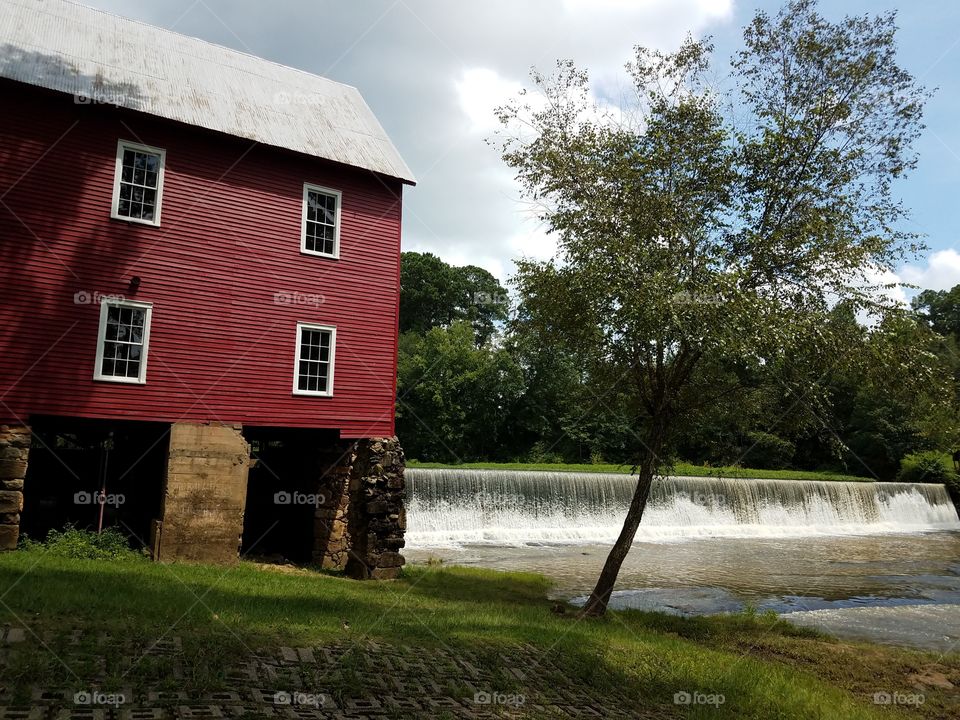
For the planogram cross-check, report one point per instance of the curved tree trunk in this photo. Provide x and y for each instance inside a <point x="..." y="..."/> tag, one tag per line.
<point x="597" y="604"/>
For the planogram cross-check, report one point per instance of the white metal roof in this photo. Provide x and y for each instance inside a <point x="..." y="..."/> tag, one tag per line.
<point x="75" y="49"/>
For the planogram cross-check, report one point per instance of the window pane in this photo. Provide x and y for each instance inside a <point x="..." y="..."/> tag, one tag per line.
<point x="313" y="363"/>
<point x="123" y="339"/>
<point x="139" y="178"/>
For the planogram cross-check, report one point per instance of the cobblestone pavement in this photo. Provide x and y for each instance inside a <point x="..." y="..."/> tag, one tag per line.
<point x="385" y="681"/>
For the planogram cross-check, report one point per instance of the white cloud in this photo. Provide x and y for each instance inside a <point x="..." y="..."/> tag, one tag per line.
<point x="480" y="91"/>
<point x="942" y="271"/>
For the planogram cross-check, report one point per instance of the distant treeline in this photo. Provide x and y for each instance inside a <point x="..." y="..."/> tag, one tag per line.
<point x="477" y="383"/>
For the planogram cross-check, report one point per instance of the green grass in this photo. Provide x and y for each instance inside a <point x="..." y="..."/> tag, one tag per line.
<point x="677" y="469"/>
<point x="764" y="667"/>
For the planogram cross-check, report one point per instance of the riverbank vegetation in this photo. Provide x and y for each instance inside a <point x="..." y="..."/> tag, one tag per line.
<point x="220" y="617"/>
<point x="477" y="397"/>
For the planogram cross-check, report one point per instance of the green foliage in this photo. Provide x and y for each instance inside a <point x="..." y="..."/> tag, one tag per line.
<point x="454" y="398"/>
<point x="940" y="309"/>
<point x="111" y="544"/>
<point x="768" y="451"/>
<point x="927" y="467"/>
<point x="435" y="294"/>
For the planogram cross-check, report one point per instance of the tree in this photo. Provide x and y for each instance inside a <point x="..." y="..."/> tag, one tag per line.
<point x="428" y="292"/>
<point x="435" y="294"/>
<point x="698" y="245"/>
<point x="454" y="398"/>
<point x="940" y="309"/>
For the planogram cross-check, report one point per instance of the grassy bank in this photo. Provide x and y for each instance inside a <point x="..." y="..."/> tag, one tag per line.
<point x="678" y="469"/>
<point x="762" y="667"/>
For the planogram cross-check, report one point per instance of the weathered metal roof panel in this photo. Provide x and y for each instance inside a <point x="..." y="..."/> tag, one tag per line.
<point x="75" y="49"/>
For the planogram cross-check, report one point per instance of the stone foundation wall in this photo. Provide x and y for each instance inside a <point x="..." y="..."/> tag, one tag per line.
<point x="377" y="519"/>
<point x="331" y="535"/>
<point x="14" y="453"/>
<point x="205" y="494"/>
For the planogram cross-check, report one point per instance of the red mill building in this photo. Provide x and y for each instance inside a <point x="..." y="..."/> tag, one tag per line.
<point x="199" y="297"/>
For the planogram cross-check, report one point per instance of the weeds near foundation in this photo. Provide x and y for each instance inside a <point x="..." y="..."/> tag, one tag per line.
<point x="71" y="542"/>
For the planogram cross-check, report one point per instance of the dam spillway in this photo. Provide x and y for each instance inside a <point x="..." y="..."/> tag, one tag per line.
<point x="451" y="507"/>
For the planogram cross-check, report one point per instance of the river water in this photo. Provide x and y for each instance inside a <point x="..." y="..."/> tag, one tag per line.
<point x="860" y="560"/>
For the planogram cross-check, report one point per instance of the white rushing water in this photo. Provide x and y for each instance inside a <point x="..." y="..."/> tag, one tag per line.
<point x="450" y="508"/>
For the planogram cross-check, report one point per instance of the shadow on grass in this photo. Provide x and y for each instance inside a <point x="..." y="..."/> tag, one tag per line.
<point x="503" y="619"/>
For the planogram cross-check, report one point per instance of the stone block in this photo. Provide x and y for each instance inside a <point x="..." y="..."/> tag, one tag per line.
<point x="8" y="536"/>
<point x="391" y="559"/>
<point x="12" y="485"/>
<point x="11" y="501"/>
<point x="11" y="452"/>
<point x="13" y="469"/>
<point x="15" y="435"/>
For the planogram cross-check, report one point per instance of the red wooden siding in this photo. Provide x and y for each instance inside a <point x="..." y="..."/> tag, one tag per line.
<point x="221" y="347"/>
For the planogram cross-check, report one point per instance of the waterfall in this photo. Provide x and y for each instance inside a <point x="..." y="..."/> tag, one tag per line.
<point x="500" y="507"/>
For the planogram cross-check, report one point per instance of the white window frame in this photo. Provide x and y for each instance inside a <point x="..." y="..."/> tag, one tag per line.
<point x="301" y="326"/>
<point x="118" y="173"/>
<point x="307" y="189"/>
<point x="105" y="304"/>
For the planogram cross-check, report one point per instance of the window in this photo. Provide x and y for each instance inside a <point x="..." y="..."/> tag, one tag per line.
<point x="320" y="231"/>
<point x="138" y="183"/>
<point x="314" y="371"/>
<point x="122" y="342"/>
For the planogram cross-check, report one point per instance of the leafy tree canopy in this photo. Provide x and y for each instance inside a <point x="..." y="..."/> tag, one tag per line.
<point x="435" y="294"/>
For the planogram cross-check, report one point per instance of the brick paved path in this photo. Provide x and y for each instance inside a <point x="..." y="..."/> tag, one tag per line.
<point x="384" y="681"/>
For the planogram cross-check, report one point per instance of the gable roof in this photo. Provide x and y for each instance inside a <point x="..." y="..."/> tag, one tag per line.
<point x="75" y="49"/>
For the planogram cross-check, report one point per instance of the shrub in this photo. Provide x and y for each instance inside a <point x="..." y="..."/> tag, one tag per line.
<point x="767" y="451"/>
<point x="541" y="453"/>
<point x="927" y="467"/>
<point x="71" y="542"/>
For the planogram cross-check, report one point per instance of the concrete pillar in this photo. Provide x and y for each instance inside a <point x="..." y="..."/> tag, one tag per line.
<point x="14" y="453"/>
<point x="205" y="494"/>
<point x="377" y="519"/>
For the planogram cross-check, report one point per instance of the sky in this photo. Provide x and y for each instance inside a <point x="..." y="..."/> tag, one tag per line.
<point x="434" y="70"/>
